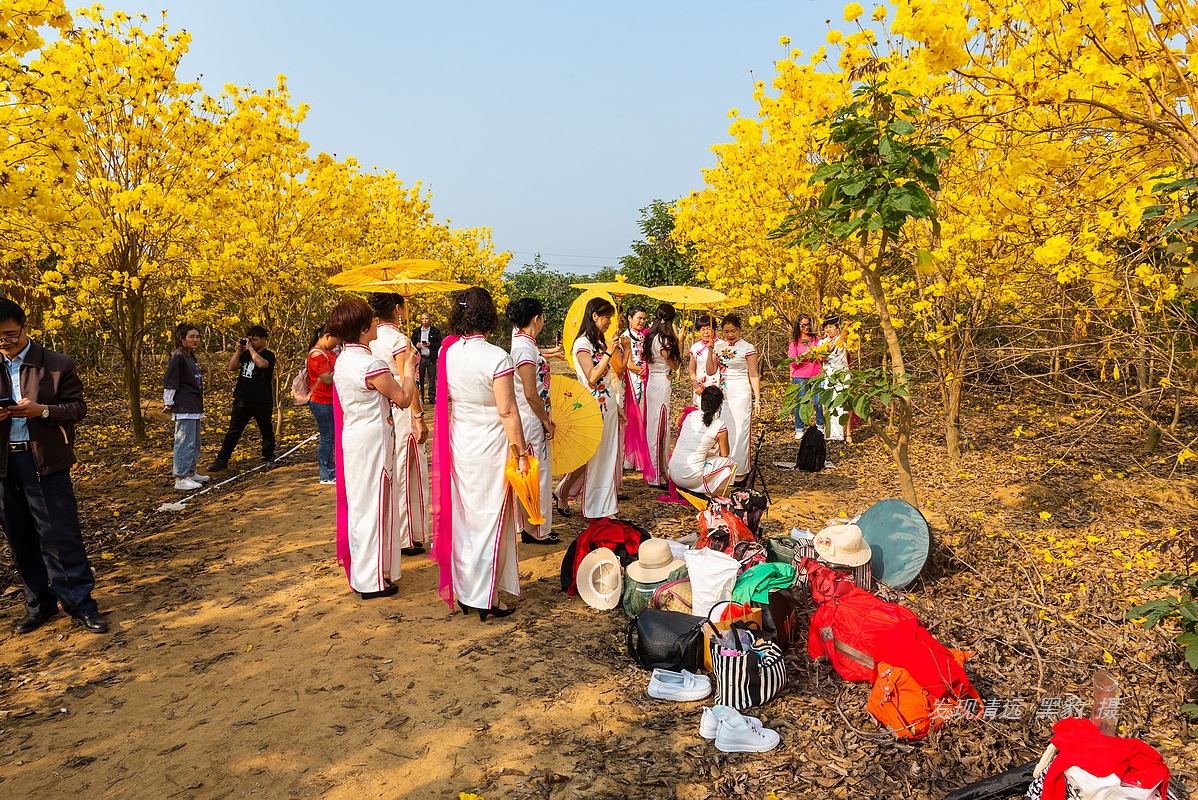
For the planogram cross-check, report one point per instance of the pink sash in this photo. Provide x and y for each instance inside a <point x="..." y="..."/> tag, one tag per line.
<point x="441" y="550"/>
<point x="636" y="441"/>
<point x="342" y="535"/>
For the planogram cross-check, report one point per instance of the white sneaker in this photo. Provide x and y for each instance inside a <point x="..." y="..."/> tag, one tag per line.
<point x="710" y="722"/>
<point x="798" y="436"/>
<point x="738" y="735"/>
<point x="187" y="484"/>
<point x="681" y="687"/>
<point x="327" y="481"/>
<point x="199" y="478"/>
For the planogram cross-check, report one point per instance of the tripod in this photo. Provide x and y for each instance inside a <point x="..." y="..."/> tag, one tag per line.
<point x="755" y="473"/>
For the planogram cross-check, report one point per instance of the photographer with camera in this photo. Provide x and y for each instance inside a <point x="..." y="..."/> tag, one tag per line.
<point x="253" y="397"/>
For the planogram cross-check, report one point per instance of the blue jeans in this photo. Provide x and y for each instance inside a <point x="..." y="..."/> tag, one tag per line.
<point x="819" y="410"/>
<point x="187" y="446"/>
<point x="325" y="454"/>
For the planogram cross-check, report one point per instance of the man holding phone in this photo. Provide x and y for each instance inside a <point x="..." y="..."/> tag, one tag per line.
<point x="253" y="397"/>
<point x="41" y="400"/>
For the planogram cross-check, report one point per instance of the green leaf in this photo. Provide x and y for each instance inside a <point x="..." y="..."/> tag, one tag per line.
<point x="1191" y="709"/>
<point x="1192" y="658"/>
<point x="901" y="127"/>
<point x="1188" y="223"/>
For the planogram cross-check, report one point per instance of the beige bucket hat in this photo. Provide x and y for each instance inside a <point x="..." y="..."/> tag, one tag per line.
<point x="843" y="544"/>
<point x="654" y="562"/>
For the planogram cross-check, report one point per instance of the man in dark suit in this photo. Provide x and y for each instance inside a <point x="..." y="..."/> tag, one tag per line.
<point x="428" y="339"/>
<point x="41" y="399"/>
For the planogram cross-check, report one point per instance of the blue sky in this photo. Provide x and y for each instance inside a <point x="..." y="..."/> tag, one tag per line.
<point x="552" y="123"/>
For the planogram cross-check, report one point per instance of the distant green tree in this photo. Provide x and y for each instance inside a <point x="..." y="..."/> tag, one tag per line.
<point x="656" y="259"/>
<point x="552" y="288"/>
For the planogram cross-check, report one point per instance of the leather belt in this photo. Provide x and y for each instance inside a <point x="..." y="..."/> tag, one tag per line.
<point x="18" y="447"/>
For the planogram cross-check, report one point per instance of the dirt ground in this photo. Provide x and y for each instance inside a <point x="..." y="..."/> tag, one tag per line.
<point x="239" y="664"/>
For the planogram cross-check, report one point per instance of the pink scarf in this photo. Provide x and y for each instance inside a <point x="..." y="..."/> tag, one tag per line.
<point x="636" y="442"/>
<point x="441" y="550"/>
<point x="342" y="534"/>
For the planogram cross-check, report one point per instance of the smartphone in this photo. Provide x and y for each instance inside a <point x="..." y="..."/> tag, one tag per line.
<point x="7" y="402"/>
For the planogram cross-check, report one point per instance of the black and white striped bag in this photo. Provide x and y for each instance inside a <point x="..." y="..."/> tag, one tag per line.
<point x="753" y="676"/>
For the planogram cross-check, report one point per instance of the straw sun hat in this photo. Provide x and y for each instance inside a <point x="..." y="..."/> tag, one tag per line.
<point x="844" y="545"/>
<point x="600" y="579"/>
<point x="654" y="562"/>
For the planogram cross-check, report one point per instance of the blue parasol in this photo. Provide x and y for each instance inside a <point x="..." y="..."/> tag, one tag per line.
<point x="898" y="536"/>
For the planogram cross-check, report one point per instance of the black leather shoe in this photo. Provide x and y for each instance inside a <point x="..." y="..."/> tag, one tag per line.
<point x="415" y="550"/>
<point x="34" y="621"/>
<point x="528" y="538"/>
<point x="392" y="589"/>
<point x="91" y="622"/>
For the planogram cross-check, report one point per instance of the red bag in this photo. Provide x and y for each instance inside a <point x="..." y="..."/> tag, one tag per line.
<point x="849" y="628"/>
<point x="826" y="582"/>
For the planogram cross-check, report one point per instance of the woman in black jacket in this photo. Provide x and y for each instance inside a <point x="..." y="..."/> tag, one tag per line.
<point x="183" y="397"/>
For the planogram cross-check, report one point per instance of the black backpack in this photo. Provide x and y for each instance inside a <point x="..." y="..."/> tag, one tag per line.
<point x="813" y="451"/>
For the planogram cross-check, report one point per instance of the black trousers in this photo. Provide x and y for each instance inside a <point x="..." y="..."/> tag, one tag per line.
<point x="41" y="522"/>
<point x="428" y="379"/>
<point x="243" y="412"/>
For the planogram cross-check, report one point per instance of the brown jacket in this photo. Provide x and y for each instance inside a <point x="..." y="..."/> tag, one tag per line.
<point x="50" y="379"/>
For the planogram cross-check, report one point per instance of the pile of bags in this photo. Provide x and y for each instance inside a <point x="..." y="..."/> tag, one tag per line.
<point x="730" y="605"/>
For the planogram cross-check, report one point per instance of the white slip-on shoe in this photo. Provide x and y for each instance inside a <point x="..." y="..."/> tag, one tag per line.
<point x="198" y="478"/>
<point x="682" y="687"/>
<point x="738" y="735"/>
<point x="187" y="484"/>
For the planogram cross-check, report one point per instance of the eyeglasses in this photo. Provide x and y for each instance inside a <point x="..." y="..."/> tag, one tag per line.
<point x="10" y="339"/>
<point x="804" y="324"/>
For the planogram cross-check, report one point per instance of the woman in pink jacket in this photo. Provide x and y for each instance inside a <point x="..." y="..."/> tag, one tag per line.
<point x="803" y="340"/>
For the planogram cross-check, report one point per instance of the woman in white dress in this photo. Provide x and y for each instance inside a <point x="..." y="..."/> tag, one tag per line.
<point x="483" y="426"/>
<point x="598" y="479"/>
<point x="532" y="398"/>
<point x="410" y="481"/>
<point x="366" y="389"/>
<point x="697" y="365"/>
<point x="700" y="461"/>
<point x="836" y="367"/>
<point x="737" y="362"/>
<point x="662" y="357"/>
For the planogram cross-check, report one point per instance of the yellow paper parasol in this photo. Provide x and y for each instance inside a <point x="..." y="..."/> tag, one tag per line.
<point x="527" y="486"/>
<point x="409" y="287"/>
<point x="387" y="271"/>
<point x="686" y="297"/>
<point x="617" y="288"/>
<point x="577" y="423"/>
<point x="574" y="321"/>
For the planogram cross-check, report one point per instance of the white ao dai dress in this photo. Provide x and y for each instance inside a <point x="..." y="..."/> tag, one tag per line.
<point x="411" y="466"/>
<point x="369" y="464"/>
<point x="657" y="410"/>
<point x="598" y="478"/>
<point x="838" y="362"/>
<point x="696" y="463"/>
<point x="484" y="508"/>
<point x="525" y="351"/>
<point x="738" y="399"/>
<point x="698" y="353"/>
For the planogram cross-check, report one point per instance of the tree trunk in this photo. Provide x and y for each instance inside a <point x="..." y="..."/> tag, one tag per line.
<point x="952" y="419"/>
<point x="904" y="409"/>
<point x="133" y="392"/>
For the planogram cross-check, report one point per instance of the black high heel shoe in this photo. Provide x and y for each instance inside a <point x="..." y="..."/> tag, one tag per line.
<point x="494" y="611"/>
<point x="392" y="589"/>
<point x="465" y="608"/>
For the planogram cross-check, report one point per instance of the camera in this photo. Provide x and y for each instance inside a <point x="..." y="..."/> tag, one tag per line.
<point x="243" y="342"/>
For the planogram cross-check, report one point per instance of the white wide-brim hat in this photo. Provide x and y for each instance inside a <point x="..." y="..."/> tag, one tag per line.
<point x="600" y="579"/>
<point x="654" y="562"/>
<point x="843" y="544"/>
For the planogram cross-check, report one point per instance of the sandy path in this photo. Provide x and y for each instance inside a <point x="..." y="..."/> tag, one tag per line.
<point x="239" y="665"/>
